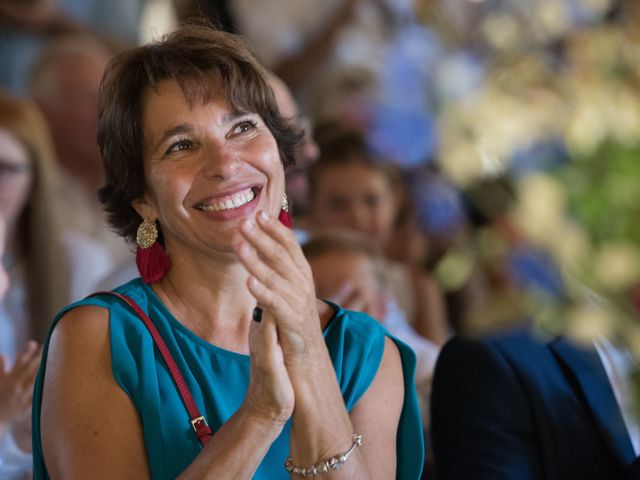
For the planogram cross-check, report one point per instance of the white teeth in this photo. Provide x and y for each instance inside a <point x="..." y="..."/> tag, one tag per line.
<point x="233" y="201"/>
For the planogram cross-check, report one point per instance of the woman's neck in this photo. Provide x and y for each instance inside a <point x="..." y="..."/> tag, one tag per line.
<point x="210" y="298"/>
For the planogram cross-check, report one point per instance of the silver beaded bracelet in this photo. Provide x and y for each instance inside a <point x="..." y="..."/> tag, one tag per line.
<point x="325" y="466"/>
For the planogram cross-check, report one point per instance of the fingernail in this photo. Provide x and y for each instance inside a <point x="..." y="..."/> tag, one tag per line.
<point x="257" y="314"/>
<point x="264" y="216"/>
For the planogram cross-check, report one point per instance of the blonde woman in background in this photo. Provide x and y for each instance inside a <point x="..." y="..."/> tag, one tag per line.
<point x="41" y="263"/>
<point x="15" y="391"/>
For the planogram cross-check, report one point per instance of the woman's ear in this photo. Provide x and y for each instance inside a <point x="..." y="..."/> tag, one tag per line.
<point x="144" y="207"/>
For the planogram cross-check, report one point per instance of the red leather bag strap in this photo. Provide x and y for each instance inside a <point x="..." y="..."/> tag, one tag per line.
<point x="198" y="422"/>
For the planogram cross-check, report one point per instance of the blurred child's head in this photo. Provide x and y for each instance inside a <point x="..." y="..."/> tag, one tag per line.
<point x="350" y="188"/>
<point x="348" y="269"/>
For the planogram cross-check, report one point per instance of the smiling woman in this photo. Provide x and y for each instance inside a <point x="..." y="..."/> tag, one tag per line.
<point x="194" y="150"/>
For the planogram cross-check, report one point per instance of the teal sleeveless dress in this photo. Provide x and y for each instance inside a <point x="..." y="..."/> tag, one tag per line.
<point x="218" y="380"/>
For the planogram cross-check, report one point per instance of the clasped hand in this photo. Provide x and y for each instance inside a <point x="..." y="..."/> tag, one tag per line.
<point x="281" y="281"/>
<point x="289" y="335"/>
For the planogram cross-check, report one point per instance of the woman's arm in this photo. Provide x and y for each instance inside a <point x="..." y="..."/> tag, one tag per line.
<point x="91" y="429"/>
<point x="282" y="283"/>
<point x="322" y="427"/>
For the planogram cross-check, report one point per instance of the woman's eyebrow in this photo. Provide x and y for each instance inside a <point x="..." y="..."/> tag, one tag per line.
<point x="233" y="115"/>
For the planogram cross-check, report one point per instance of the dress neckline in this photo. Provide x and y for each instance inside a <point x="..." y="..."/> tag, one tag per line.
<point x="175" y="323"/>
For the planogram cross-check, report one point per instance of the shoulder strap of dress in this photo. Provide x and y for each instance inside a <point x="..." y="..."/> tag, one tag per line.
<point x="198" y="422"/>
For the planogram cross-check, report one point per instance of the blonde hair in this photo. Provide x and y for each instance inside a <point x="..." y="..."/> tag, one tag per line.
<point x="47" y="270"/>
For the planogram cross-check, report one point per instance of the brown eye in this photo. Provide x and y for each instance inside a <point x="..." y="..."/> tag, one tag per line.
<point x="180" y="145"/>
<point x="244" y="126"/>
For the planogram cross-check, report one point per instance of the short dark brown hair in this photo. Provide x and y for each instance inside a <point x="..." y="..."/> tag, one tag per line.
<point x="340" y="145"/>
<point x="207" y="64"/>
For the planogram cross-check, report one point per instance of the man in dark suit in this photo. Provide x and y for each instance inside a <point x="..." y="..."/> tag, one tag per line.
<point x="517" y="406"/>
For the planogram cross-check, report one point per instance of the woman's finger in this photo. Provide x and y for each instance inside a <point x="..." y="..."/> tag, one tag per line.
<point x="276" y="242"/>
<point x="274" y="254"/>
<point x="285" y="237"/>
<point x="265" y="274"/>
<point x="270" y="302"/>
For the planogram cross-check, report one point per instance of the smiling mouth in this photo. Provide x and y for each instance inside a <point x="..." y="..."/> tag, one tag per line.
<point x="229" y="202"/>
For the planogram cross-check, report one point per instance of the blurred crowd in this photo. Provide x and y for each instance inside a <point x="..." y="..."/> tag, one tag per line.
<point x="431" y="188"/>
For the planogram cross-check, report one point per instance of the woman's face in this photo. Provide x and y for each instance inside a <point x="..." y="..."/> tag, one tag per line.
<point x="355" y="196"/>
<point x="207" y="169"/>
<point x="15" y="177"/>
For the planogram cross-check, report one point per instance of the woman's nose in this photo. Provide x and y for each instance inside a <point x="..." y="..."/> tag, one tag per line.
<point x="220" y="162"/>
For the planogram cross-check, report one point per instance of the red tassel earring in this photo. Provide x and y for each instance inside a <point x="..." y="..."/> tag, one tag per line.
<point x="285" y="216"/>
<point x="151" y="258"/>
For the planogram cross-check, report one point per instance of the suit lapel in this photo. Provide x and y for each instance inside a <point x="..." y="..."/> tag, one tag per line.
<point x="592" y="378"/>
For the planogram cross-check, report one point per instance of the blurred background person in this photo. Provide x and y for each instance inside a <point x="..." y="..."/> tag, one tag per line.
<point x="304" y="40"/>
<point x="349" y="270"/>
<point x="297" y="182"/>
<point x="520" y="404"/>
<point x="16" y="387"/>
<point x="64" y="82"/>
<point x="47" y="266"/>
<point x="351" y="189"/>
<point x="27" y="27"/>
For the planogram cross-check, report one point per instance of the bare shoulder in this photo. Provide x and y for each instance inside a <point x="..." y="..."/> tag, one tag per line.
<point x="86" y="418"/>
<point x="386" y="394"/>
<point x="87" y="320"/>
<point x="79" y="338"/>
<point x="388" y="382"/>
